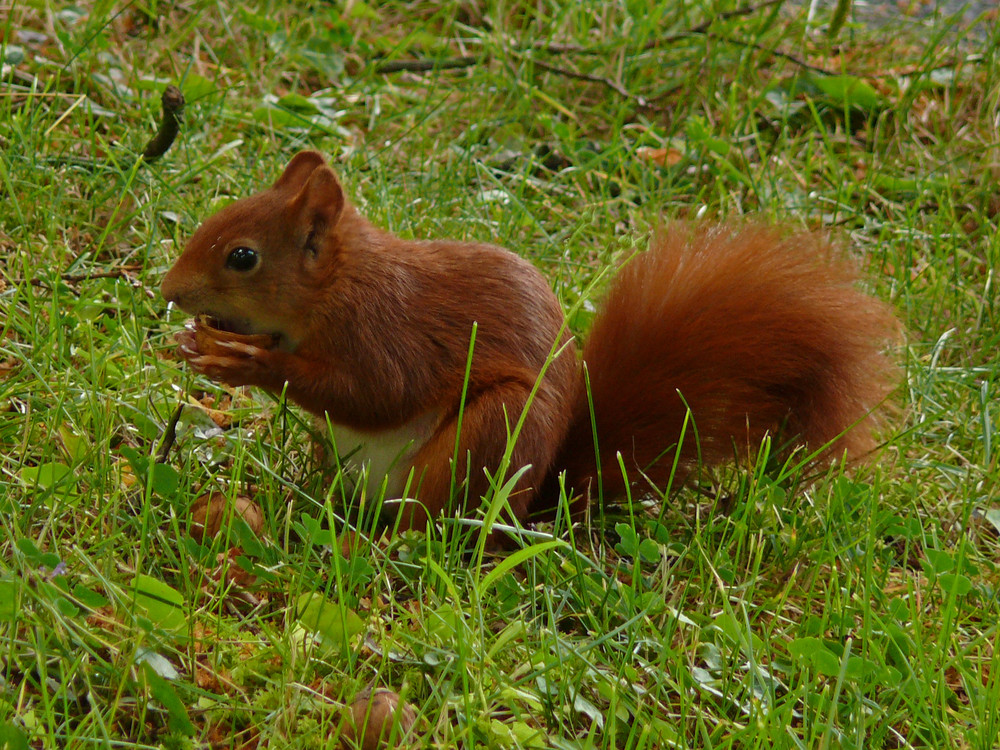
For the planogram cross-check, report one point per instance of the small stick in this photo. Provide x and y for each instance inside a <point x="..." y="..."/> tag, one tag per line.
<point x="420" y="66"/>
<point x="169" y="436"/>
<point x="124" y="272"/>
<point x="611" y="84"/>
<point x="173" y="113"/>
<point x="775" y="52"/>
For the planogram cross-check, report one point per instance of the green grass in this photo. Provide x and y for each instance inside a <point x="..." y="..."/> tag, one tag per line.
<point x="858" y="609"/>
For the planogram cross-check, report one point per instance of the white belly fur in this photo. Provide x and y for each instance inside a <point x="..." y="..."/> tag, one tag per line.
<point x="388" y="454"/>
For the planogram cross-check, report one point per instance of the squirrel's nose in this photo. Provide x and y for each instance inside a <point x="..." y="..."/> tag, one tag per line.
<point x="171" y="289"/>
<point x="167" y="290"/>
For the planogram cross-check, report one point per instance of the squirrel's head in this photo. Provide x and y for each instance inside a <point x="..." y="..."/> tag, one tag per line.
<point x="253" y="265"/>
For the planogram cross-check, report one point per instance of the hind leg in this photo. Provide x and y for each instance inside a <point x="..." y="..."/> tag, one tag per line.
<point x="487" y="420"/>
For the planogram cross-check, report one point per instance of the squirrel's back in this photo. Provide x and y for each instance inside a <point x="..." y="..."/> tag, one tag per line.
<point x="754" y="330"/>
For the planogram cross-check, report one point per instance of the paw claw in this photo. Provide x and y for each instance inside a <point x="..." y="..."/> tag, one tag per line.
<point x="247" y="350"/>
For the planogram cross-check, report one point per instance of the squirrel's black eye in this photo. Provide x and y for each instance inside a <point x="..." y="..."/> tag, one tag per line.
<point x="242" y="259"/>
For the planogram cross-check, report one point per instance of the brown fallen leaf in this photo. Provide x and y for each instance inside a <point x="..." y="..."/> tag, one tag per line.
<point x="665" y="157"/>
<point x="210" y="511"/>
<point x="221" y="416"/>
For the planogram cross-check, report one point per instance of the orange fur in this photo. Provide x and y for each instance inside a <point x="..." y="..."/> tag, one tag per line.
<point x="755" y="329"/>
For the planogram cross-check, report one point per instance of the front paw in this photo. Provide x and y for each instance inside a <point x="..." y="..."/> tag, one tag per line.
<point x="227" y="361"/>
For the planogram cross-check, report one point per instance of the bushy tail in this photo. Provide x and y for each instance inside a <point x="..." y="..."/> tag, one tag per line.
<point x="755" y="330"/>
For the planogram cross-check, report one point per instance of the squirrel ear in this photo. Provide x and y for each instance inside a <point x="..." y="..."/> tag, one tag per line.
<point x="302" y="165"/>
<point x="318" y="206"/>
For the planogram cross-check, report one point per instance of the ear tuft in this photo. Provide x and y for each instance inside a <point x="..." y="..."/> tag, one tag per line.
<point x="299" y="169"/>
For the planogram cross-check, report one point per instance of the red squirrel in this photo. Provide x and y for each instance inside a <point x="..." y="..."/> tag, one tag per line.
<point x="753" y="329"/>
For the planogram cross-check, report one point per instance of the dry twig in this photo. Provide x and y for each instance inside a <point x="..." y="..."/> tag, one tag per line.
<point x="173" y="114"/>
